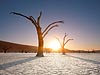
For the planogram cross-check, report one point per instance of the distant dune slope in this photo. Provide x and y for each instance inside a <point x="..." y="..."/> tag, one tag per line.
<point x="13" y="47"/>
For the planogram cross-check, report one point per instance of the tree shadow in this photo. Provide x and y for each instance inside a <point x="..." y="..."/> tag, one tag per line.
<point x="87" y="60"/>
<point x="10" y="64"/>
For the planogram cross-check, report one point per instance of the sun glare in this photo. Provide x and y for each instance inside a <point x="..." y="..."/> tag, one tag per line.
<point x="54" y="45"/>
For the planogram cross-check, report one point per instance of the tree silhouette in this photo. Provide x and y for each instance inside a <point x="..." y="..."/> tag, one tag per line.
<point x="41" y="34"/>
<point x="63" y="43"/>
<point x="5" y="48"/>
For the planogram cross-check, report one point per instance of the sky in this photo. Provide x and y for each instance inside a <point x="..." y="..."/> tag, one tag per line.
<point x="81" y="22"/>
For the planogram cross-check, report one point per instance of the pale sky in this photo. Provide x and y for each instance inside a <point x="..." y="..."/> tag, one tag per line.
<point x="81" y="21"/>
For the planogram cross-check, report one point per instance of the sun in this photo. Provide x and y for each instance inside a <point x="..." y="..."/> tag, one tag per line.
<point x="54" y="45"/>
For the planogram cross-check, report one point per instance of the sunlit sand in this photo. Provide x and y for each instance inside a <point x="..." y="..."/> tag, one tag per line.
<point x="51" y="64"/>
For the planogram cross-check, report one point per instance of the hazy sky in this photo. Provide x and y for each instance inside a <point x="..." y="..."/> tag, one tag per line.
<point x="81" y="21"/>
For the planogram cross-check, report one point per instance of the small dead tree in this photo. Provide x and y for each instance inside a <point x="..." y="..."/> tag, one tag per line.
<point x="41" y="34"/>
<point x="5" y="49"/>
<point x="63" y="43"/>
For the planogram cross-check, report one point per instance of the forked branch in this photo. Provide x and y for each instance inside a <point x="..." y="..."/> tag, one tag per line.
<point x="67" y="41"/>
<point x="64" y="38"/>
<point x="51" y="25"/>
<point x="46" y="32"/>
<point x="64" y="41"/>
<point x="33" y="19"/>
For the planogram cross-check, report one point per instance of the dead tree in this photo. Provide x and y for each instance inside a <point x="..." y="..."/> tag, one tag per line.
<point x="41" y="34"/>
<point x="5" y="49"/>
<point x="63" y="43"/>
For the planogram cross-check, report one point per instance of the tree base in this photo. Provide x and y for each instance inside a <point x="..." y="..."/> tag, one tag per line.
<point x="63" y="53"/>
<point x="39" y="55"/>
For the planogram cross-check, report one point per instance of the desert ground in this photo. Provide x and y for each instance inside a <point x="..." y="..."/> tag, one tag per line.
<point x="51" y="64"/>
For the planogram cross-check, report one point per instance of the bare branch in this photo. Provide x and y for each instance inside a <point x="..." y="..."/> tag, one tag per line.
<point x="64" y="38"/>
<point x="49" y="30"/>
<point x="59" y="41"/>
<point x="29" y="18"/>
<point x="51" y="25"/>
<point x="38" y="19"/>
<point x="19" y="14"/>
<point x="67" y="41"/>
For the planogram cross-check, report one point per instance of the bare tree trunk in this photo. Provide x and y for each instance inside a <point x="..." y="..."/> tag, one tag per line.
<point x="40" y="43"/>
<point x="63" y="50"/>
<point x="5" y="50"/>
